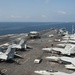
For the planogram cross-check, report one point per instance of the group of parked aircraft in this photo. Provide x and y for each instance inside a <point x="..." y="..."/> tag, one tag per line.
<point x="66" y="49"/>
<point x="10" y="52"/>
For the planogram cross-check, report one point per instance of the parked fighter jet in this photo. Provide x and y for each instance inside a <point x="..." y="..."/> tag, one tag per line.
<point x="51" y="72"/>
<point x="22" y="45"/>
<point x="71" y="61"/>
<point x="9" y="54"/>
<point x="72" y="41"/>
<point x="67" y="50"/>
<point x="70" y="38"/>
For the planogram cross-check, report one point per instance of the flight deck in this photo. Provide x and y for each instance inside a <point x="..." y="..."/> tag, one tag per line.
<point x="26" y="66"/>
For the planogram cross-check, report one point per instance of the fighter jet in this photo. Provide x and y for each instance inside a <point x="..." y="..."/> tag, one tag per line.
<point x="70" y="38"/>
<point x="51" y="72"/>
<point x="67" y="50"/>
<point x="9" y="54"/>
<point x="70" y="61"/>
<point x="22" y="45"/>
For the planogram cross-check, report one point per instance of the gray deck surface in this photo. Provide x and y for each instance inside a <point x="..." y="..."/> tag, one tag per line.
<point x="27" y="66"/>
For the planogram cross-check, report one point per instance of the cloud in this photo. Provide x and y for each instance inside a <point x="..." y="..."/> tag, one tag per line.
<point x="62" y="12"/>
<point x="12" y="16"/>
<point x="44" y="16"/>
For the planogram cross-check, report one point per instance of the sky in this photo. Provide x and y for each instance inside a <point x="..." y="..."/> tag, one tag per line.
<point x="37" y="10"/>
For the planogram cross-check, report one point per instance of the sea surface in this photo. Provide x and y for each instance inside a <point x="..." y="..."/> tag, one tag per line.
<point x="25" y="27"/>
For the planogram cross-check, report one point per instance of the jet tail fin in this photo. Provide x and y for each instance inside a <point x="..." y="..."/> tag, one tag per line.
<point x="21" y="42"/>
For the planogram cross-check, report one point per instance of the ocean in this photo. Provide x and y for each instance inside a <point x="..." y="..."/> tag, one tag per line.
<point x="25" y="27"/>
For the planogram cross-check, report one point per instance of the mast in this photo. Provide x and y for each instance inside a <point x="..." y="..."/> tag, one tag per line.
<point x="72" y="29"/>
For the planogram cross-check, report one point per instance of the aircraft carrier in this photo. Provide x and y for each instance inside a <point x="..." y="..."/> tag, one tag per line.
<point x="26" y="66"/>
